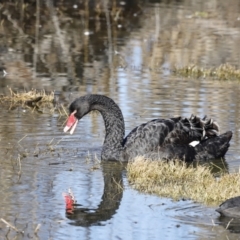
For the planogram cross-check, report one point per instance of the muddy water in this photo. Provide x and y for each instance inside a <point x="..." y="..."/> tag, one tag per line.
<point x="39" y="162"/>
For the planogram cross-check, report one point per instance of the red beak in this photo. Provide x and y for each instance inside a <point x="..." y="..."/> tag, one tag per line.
<point x="71" y="123"/>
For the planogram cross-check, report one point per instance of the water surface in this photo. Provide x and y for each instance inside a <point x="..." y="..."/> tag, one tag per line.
<point x="73" y="52"/>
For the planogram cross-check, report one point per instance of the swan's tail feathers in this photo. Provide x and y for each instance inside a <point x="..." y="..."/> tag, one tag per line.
<point x="206" y="126"/>
<point x="213" y="147"/>
<point x="211" y="127"/>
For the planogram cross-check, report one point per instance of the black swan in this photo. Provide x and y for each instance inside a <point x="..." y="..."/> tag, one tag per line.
<point x="230" y="208"/>
<point x="156" y="139"/>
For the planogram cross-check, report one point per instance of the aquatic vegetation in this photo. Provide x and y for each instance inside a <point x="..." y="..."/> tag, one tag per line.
<point x="223" y="72"/>
<point x="34" y="99"/>
<point x="28" y="97"/>
<point x="177" y="180"/>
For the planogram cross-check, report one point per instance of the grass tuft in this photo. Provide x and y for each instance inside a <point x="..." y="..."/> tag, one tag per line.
<point x="36" y="100"/>
<point x="28" y="97"/>
<point x="174" y="179"/>
<point x="223" y="72"/>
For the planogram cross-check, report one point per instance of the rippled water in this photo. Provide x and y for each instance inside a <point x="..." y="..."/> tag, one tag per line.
<point x="56" y="161"/>
<point x="38" y="161"/>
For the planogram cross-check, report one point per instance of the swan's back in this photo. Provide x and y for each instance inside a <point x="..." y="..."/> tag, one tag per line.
<point x="165" y="137"/>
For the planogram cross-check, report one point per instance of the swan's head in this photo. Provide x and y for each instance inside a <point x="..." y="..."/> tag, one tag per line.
<point x="77" y="110"/>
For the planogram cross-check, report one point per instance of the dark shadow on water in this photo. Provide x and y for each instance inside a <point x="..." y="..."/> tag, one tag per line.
<point x="231" y="224"/>
<point x="111" y="198"/>
<point x="217" y="165"/>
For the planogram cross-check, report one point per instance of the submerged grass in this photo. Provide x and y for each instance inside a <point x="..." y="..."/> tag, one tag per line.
<point x="223" y="72"/>
<point x="176" y="180"/>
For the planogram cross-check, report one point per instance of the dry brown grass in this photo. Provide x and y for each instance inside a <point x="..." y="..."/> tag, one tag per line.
<point x="176" y="180"/>
<point x="39" y="101"/>
<point x="26" y="97"/>
<point x="223" y="72"/>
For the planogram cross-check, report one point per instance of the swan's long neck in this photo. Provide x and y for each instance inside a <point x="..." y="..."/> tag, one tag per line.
<point x="114" y="125"/>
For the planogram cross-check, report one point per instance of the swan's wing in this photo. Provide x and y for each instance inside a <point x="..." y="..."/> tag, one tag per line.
<point x="157" y="133"/>
<point x="149" y="136"/>
<point x="186" y="130"/>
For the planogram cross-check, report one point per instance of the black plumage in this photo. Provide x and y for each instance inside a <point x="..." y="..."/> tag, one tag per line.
<point x="156" y="139"/>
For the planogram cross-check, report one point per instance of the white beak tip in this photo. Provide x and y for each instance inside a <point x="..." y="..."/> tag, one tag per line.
<point x="66" y="129"/>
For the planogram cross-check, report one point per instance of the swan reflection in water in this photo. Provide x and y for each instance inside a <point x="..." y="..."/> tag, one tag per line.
<point x="113" y="173"/>
<point x="111" y="198"/>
